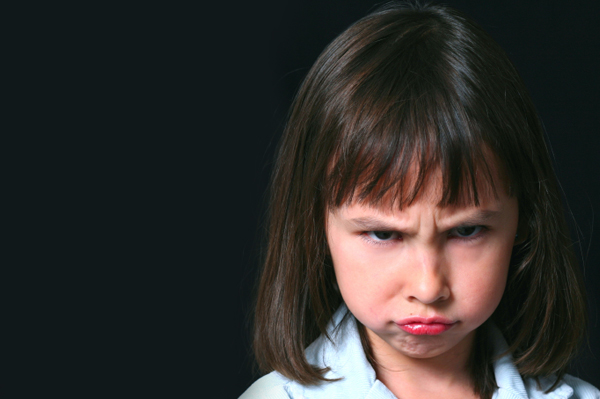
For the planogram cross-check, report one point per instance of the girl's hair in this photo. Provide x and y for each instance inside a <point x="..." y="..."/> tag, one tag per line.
<point x="413" y="85"/>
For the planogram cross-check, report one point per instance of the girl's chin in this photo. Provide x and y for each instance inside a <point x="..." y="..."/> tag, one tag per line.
<point x="420" y="346"/>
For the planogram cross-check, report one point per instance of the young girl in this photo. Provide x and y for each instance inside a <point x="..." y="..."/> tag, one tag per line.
<point x="417" y="241"/>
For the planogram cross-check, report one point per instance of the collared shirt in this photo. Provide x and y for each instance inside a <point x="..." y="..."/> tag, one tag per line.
<point x="345" y="357"/>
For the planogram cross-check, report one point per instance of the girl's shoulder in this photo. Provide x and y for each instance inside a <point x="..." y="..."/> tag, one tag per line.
<point x="570" y="387"/>
<point x="272" y="385"/>
<point x="581" y="388"/>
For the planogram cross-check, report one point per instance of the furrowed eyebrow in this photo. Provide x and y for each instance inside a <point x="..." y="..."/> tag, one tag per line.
<point x="374" y="224"/>
<point x="480" y="217"/>
<point x="371" y="223"/>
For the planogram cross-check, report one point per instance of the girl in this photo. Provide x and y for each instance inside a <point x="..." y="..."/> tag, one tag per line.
<point x="416" y="237"/>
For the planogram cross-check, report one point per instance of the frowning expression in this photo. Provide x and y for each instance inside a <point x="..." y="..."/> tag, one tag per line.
<point x="422" y="278"/>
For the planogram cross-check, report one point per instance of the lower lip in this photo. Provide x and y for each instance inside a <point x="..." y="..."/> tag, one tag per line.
<point x="425" y="329"/>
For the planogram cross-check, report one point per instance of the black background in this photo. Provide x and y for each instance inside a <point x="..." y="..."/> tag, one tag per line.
<point x="554" y="45"/>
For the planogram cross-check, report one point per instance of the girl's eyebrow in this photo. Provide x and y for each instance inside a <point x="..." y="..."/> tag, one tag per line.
<point x="481" y="216"/>
<point x="372" y="223"/>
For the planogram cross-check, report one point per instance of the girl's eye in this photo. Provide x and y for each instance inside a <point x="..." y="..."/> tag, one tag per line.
<point x="467" y="231"/>
<point x="382" y="235"/>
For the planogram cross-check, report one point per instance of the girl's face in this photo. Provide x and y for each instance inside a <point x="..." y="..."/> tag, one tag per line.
<point x="423" y="278"/>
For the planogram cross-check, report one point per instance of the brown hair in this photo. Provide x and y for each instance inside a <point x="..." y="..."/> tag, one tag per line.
<point x="412" y="83"/>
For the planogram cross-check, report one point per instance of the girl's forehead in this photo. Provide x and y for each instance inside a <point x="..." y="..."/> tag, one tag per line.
<point x="491" y="210"/>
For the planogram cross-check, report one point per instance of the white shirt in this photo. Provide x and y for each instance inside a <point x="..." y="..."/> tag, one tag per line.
<point x="345" y="357"/>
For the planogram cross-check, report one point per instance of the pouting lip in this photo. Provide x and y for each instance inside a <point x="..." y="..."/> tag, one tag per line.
<point x="425" y="320"/>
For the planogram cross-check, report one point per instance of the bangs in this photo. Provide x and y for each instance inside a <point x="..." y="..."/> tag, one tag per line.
<point x="392" y="149"/>
<point x="408" y="107"/>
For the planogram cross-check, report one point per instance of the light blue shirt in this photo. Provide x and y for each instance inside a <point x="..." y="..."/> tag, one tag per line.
<point x="346" y="359"/>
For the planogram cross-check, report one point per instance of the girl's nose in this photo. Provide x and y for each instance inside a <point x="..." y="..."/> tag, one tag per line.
<point x="428" y="281"/>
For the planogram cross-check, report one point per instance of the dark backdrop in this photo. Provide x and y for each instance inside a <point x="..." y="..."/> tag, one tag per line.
<point x="264" y="53"/>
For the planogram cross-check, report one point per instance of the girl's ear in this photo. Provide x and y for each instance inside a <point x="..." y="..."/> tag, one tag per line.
<point x="522" y="234"/>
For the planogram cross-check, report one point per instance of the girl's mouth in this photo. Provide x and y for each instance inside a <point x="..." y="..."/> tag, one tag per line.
<point x="425" y="326"/>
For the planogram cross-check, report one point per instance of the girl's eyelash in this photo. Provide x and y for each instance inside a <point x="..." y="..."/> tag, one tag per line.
<point x="479" y="233"/>
<point x="366" y="236"/>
